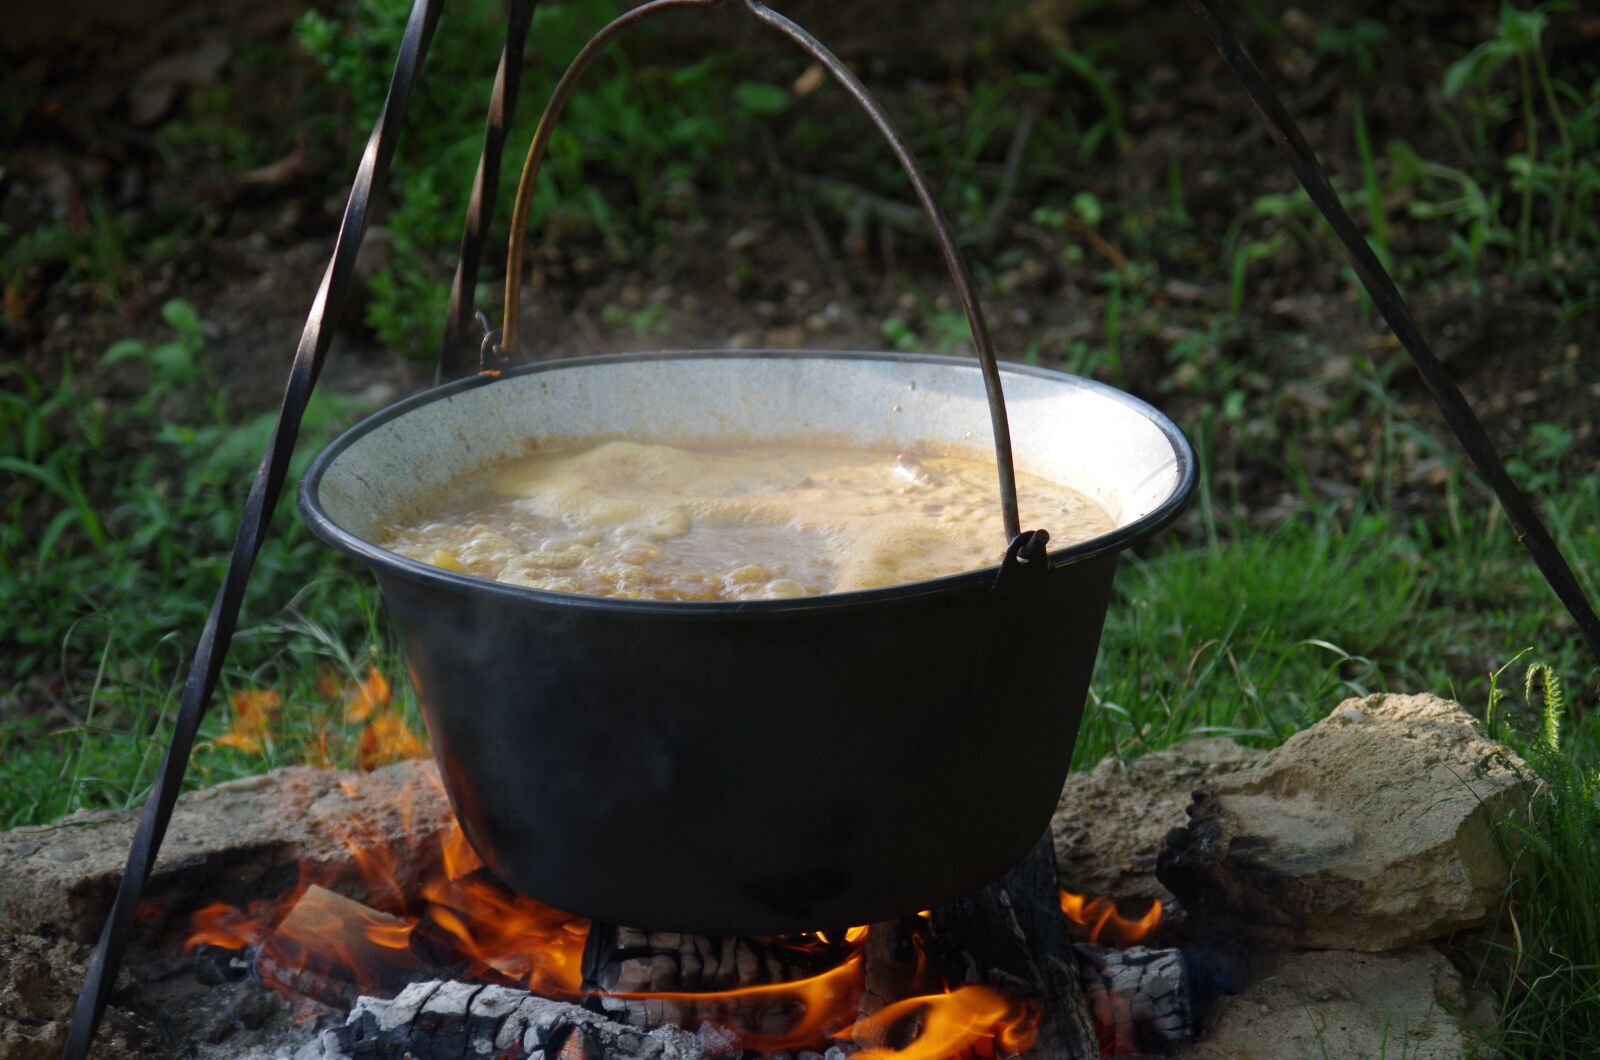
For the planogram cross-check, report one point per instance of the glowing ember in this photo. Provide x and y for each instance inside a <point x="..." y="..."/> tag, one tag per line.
<point x="1100" y="917"/>
<point x="853" y="934"/>
<point x="229" y="927"/>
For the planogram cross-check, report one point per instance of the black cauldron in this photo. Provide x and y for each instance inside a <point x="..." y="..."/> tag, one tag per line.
<point x="748" y="768"/>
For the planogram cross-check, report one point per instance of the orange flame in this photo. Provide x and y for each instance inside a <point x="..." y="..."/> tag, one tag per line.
<point x="385" y="736"/>
<point x="504" y="935"/>
<point x="518" y="937"/>
<point x="456" y="854"/>
<point x="376" y="861"/>
<point x="253" y="712"/>
<point x="970" y="1018"/>
<point x="851" y="935"/>
<point x="229" y="927"/>
<point x="1100" y="916"/>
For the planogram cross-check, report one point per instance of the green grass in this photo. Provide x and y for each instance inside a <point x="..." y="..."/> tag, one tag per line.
<point x="1545" y="958"/>
<point x="114" y="537"/>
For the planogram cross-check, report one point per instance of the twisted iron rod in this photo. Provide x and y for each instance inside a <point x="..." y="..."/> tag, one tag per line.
<point x="218" y="633"/>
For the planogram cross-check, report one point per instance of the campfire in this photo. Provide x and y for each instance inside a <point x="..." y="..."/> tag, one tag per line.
<point x="318" y="915"/>
<point x="889" y="990"/>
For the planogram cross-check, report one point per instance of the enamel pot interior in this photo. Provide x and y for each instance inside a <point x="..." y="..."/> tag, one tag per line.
<point x="752" y="767"/>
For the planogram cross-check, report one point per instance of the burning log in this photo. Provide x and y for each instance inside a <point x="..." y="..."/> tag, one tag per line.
<point x="1011" y="936"/>
<point x="454" y="1019"/>
<point x="770" y="995"/>
<point x="891" y="963"/>
<point x="1139" y="997"/>
<point x="991" y="974"/>
<point x="621" y="960"/>
<point x="332" y="949"/>
<point x="675" y="968"/>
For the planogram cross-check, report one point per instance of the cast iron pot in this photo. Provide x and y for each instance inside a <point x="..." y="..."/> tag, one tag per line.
<point x="750" y="768"/>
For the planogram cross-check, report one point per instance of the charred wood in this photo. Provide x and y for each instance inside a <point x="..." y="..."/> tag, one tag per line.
<point x="1011" y="936"/>
<point x="332" y="949"/>
<point x="626" y="960"/>
<point x="453" y="1019"/>
<point x="891" y="964"/>
<point x="1140" y="998"/>
<point x="629" y="961"/>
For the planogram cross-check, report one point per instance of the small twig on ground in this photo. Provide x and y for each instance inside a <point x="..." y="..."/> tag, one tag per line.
<point x="276" y="174"/>
<point x="1075" y="227"/>
<point x="1016" y="155"/>
<point x="808" y="217"/>
<point x="844" y="196"/>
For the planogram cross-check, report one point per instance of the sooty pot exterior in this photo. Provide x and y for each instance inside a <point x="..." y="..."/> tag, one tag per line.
<point x="759" y="767"/>
<point x="751" y="775"/>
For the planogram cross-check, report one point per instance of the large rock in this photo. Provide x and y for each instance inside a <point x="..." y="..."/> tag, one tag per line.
<point x="236" y="842"/>
<point x="37" y="981"/>
<point x="1371" y="830"/>
<point x="1333" y="1003"/>
<point x="1110" y="821"/>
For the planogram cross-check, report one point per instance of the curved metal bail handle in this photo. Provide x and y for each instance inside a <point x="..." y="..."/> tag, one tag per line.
<point x="1021" y="555"/>
<point x="954" y="262"/>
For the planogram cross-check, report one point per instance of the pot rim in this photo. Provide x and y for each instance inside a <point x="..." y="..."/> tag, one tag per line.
<point x="331" y="533"/>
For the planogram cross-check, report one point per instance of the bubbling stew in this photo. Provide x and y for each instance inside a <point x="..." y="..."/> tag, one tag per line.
<point x="716" y="519"/>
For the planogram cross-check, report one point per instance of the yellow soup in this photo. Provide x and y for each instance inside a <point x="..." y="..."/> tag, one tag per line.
<point x="719" y="520"/>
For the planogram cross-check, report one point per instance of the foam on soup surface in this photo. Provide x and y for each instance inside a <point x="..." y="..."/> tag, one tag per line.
<point x="715" y="520"/>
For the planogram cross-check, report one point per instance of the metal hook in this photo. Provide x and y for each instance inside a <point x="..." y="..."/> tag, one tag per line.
<point x="489" y="348"/>
<point x="1025" y="548"/>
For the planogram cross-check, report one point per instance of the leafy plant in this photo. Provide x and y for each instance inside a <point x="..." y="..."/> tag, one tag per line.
<point x="1099" y="79"/>
<point x="1519" y="41"/>
<point x="1359" y="41"/>
<point x="170" y="364"/>
<point x="630" y="151"/>
<point x="112" y="543"/>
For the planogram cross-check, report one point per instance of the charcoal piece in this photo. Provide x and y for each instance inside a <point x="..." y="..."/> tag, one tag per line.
<point x="454" y="1019"/>
<point x="1140" y="998"/>
<point x="621" y="960"/>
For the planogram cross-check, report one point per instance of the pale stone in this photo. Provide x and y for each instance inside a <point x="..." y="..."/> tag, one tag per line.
<point x="60" y="878"/>
<point x="1110" y="821"/>
<point x="1334" y="1003"/>
<point x="1371" y="830"/>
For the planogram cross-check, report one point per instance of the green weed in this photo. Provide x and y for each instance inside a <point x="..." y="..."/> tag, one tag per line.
<point x="1545" y="961"/>
<point x="631" y="152"/>
<point x="1562" y="177"/>
<point x="112" y="543"/>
